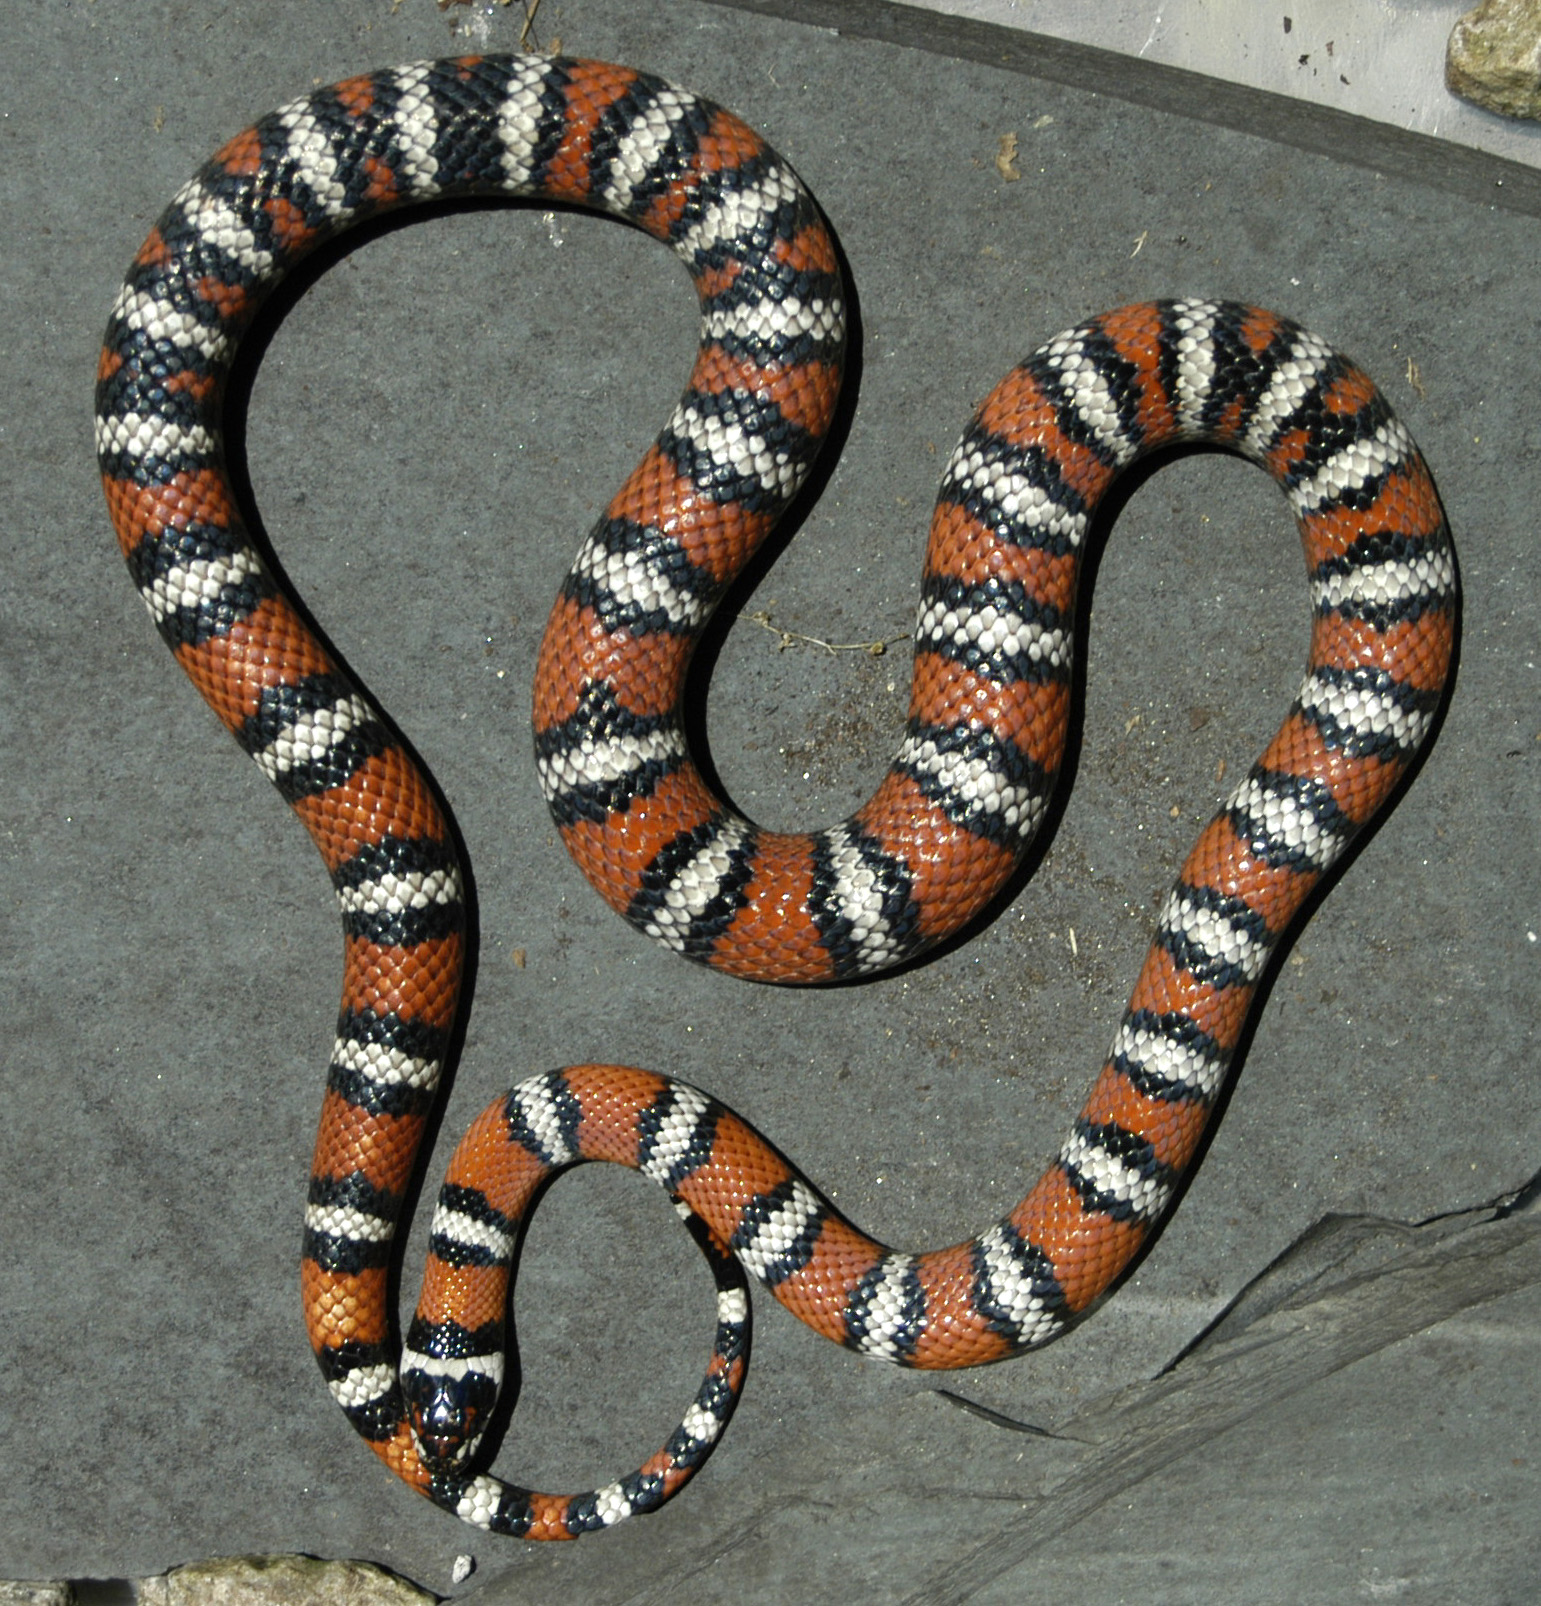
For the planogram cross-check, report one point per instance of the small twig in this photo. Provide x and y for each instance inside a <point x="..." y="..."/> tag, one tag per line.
<point x="530" y="8"/>
<point x="789" y="638"/>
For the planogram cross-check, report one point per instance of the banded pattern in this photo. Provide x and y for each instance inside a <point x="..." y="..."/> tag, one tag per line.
<point x="962" y="800"/>
<point x="736" y="449"/>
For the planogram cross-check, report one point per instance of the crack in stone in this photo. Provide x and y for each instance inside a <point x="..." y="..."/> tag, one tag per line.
<point x="1346" y="1288"/>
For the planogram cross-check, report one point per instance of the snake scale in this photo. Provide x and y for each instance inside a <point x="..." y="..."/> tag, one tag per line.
<point x="944" y="831"/>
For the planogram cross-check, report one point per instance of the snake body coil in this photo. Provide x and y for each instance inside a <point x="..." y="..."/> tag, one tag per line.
<point x="952" y="818"/>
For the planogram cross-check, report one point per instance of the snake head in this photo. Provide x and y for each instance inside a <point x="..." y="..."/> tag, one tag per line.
<point x="449" y="1400"/>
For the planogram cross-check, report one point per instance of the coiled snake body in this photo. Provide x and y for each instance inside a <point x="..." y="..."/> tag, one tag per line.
<point x="950" y="821"/>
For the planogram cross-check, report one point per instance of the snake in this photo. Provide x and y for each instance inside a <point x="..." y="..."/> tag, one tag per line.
<point x="939" y="840"/>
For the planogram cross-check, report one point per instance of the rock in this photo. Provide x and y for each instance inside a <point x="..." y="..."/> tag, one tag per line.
<point x="280" y="1581"/>
<point x="1494" y="57"/>
<point x="36" y="1594"/>
<point x="247" y="1581"/>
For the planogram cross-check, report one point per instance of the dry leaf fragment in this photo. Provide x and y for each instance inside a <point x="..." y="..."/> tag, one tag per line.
<point x="1006" y="159"/>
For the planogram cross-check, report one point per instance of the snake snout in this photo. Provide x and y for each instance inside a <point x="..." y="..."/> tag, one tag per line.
<point x="448" y="1405"/>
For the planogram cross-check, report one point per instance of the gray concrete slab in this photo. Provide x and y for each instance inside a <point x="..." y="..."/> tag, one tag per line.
<point x="1381" y="64"/>
<point x="1358" y="80"/>
<point x="433" y="424"/>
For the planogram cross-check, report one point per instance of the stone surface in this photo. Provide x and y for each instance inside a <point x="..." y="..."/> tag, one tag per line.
<point x="1494" y="58"/>
<point x="1360" y="80"/>
<point x="434" y="423"/>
